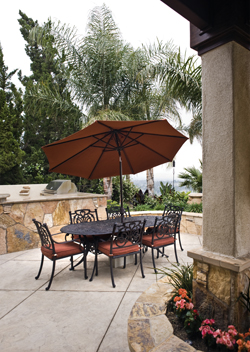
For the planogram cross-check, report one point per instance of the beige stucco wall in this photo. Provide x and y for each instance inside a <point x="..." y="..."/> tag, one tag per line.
<point x="226" y="150"/>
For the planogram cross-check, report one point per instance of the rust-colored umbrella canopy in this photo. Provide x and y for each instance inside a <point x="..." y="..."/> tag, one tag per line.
<point x="94" y="151"/>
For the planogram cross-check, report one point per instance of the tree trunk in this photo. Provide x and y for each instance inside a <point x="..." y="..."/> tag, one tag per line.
<point x="150" y="182"/>
<point x="107" y="186"/>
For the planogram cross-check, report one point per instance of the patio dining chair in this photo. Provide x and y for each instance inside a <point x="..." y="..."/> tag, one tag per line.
<point x="82" y="215"/>
<point x="86" y="215"/>
<point x="114" y="212"/>
<point x="174" y="209"/>
<point x="125" y="240"/>
<point x="56" y="250"/>
<point x="163" y="235"/>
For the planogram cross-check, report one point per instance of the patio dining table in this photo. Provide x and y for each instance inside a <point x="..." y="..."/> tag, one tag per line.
<point x="102" y="227"/>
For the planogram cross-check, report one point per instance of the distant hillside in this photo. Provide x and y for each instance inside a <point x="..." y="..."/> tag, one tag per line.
<point x="142" y="184"/>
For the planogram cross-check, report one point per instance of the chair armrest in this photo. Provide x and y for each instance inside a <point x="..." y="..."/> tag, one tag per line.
<point x="58" y="233"/>
<point x="67" y="234"/>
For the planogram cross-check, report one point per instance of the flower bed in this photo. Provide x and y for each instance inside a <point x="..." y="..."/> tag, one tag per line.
<point x="196" y="329"/>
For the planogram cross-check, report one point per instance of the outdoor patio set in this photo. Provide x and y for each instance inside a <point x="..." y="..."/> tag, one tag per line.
<point x="117" y="237"/>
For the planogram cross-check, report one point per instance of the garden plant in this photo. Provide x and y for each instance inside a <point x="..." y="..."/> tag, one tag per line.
<point x="196" y="327"/>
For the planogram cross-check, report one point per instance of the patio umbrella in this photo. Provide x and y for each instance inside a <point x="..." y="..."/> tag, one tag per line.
<point x="112" y="148"/>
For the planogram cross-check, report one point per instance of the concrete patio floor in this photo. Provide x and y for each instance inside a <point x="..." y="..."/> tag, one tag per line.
<point x="75" y="314"/>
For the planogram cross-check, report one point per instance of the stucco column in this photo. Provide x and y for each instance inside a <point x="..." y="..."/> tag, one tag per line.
<point x="221" y="267"/>
<point x="226" y="150"/>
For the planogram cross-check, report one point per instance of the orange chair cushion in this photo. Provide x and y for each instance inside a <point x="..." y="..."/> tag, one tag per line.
<point x="104" y="247"/>
<point x="64" y="249"/>
<point x="165" y="241"/>
<point x="172" y="230"/>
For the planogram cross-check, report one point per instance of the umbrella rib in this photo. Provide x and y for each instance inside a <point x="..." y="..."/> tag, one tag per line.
<point x="72" y="156"/>
<point x="104" y="149"/>
<point x="147" y="122"/>
<point x="138" y="142"/>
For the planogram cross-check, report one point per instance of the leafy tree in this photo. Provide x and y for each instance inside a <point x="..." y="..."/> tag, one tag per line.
<point x="44" y="122"/>
<point x="129" y="190"/>
<point x="10" y="127"/>
<point x="99" y="78"/>
<point x="192" y="178"/>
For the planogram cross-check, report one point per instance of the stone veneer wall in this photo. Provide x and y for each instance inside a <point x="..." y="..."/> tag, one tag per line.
<point x="17" y="231"/>
<point x="217" y="284"/>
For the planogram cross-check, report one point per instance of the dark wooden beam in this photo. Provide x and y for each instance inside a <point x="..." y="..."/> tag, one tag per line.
<point x="215" y="22"/>
<point x="230" y="22"/>
<point x="195" y="11"/>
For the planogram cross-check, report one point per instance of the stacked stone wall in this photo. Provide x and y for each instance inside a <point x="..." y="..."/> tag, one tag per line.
<point x="18" y="232"/>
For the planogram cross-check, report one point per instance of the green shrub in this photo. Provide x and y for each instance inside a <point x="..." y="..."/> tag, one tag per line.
<point x="113" y="203"/>
<point x="90" y="186"/>
<point x="181" y="276"/>
<point x="129" y="189"/>
<point x="193" y="208"/>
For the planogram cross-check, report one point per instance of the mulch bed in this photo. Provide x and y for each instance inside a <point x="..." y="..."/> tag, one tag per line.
<point x="179" y="331"/>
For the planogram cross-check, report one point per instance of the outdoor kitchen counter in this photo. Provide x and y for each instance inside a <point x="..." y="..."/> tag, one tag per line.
<point x="34" y="194"/>
<point x="17" y="230"/>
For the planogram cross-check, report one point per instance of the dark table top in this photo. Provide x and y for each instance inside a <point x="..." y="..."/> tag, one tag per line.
<point x="102" y="227"/>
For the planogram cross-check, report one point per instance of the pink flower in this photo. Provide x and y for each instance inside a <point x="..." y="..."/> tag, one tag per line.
<point x="180" y="304"/>
<point x="206" y="330"/>
<point x="217" y="333"/>
<point x="208" y="322"/>
<point x="189" y="306"/>
<point x="225" y="338"/>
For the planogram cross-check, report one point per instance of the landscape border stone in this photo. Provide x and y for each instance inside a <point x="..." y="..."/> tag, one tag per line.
<point x="149" y="329"/>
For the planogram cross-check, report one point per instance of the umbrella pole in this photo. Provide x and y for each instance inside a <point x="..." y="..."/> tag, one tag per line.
<point x="121" y="188"/>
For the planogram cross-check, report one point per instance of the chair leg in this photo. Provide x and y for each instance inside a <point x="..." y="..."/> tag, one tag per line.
<point x="124" y="262"/>
<point x="153" y="259"/>
<point x="52" y="275"/>
<point x="96" y="254"/>
<point x="95" y="267"/>
<point x="162" y="252"/>
<point x="85" y="262"/>
<point x="135" y="259"/>
<point x="176" y="257"/>
<point x="142" y="272"/>
<point x="71" y="262"/>
<point x="111" y="271"/>
<point x="179" y="236"/>
<point x="157" y="254"/>
<point x="40" y="269"/>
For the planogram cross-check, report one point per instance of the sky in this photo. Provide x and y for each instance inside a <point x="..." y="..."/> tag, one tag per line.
<point x="140" y="22"/>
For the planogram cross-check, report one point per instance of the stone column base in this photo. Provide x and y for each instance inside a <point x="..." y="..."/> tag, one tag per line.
<point x="217" y="284"/>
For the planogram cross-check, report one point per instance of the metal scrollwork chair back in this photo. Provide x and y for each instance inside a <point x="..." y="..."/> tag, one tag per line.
<point x="125" y="240"/>
<point x="163" y="235"/>
<point x="83" y="215"/>
<point x="79" y="216"/>
<point x="54" y="250"/>
<point x="114" y="212"/>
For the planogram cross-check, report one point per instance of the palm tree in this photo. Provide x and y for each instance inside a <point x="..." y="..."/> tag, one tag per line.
<point x="181" y="79"/>
<point x="192" y="179"/>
